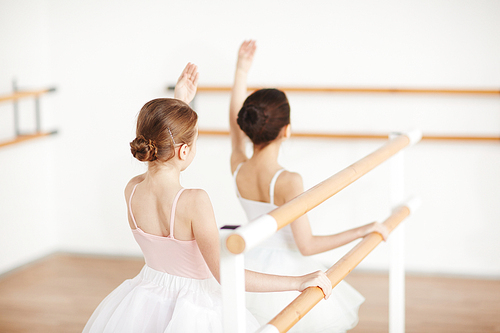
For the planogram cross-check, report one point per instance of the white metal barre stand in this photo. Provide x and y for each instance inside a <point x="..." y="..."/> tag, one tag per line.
<point x="397" y="247"/>
<point x="232" y="278"/>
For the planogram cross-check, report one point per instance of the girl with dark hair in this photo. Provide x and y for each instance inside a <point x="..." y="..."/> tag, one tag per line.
<point x="177" y="290"/>
<point x="261" y="186"/>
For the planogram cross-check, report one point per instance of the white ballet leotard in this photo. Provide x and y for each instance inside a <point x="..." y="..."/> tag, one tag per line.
<point x="279" y="255"/>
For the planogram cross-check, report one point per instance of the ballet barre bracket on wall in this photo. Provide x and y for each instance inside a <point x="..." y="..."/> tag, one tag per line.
<point x="14" y="97"/>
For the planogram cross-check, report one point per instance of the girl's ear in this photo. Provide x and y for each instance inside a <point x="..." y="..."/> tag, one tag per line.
<point x="183" y="152"/>
<point x="288" y="131"/>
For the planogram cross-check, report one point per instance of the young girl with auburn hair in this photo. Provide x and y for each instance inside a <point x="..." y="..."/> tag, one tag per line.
<point x="177" y="290"/>
<point x="261" y="186"/>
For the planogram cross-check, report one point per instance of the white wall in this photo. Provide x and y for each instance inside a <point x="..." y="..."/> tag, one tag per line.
<point x="108" y="58"/>
<point x="27" y="198"/>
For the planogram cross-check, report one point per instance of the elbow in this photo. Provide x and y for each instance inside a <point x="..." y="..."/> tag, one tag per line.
<point x="306" y="245"/>
<point x="306" y="250"/>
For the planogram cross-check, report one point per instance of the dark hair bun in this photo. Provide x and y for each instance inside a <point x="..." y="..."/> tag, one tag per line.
<point x="252" y="120"/>
<point x="144" y="150"/>
<point x="263" y="114"/>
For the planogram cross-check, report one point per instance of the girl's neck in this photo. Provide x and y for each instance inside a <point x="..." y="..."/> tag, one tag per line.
<point x="268" y="154"/>
<point x="164" y="174"/>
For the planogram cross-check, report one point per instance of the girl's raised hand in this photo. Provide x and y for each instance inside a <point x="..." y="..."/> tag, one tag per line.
<point x="317" y="279"/>
<point x="186" y="86"/>
<point x="245" y="55"/>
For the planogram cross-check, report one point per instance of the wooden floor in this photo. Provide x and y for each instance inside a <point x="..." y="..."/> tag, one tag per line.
<point x="59" y="293"/>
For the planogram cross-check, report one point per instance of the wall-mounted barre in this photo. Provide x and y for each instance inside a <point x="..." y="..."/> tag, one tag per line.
<point x="368" y="136"/>
<point x="299" y="307"/>
<point x="476" y="138"/>
<point x="358" y="90"/>
<point x="14" y="97"/>
<point x="26" y="137"/>
<point x="26" y="93"/>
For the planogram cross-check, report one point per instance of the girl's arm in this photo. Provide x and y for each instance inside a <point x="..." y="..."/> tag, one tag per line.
<point x="206" y="234"/>
<point x="260" y="282"/>
<point x="238" y="96"/>
<point x="309" y="244"/>
<point x="185" y="88"/>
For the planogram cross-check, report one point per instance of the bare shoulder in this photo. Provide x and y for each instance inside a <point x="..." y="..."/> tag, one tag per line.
<point x="288" y="186"/>
<point x="196" y="204"/>
<point x="290" y="179"/>
<point x="195" y="200"/>
<point x="237" y="157"/>
<point x="195" y="195"/>
<point x="134" y="181"/>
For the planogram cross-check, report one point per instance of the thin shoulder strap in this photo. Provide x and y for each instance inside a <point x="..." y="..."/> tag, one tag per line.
<point x="130" y="205"/>
<point x="172" y="214"/>
<point x="234" y="177"/>
<point x="273" y="183"/>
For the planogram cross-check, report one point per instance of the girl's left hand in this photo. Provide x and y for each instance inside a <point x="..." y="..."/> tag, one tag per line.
<point x="316" y="279"/>
<point x="245" y="55"/>
<point x="186" y="86"/>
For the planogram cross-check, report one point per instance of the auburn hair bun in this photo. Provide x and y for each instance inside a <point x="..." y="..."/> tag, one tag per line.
<point x="144" y="150"/>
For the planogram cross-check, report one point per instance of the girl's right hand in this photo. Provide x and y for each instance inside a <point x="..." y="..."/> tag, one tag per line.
<point x="381" y="229"/>
<point x="245" y="55"/>
<point x="316" y="279"/>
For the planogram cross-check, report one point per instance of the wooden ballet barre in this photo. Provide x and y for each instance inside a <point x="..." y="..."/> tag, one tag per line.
<point x="357" y="90"/>
<point x="249" y="235"/>
<point x="299" y="307"/>
<point x="368" y="136"/>
<point x="27" y="93"/>
<point x="26" y="137"/>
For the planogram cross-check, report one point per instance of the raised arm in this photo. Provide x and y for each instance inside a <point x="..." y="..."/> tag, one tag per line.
<point x="185" y="88"/>
<point x="290" y="185"/>
<point x="207" y="237"/>
<point x="238" y="96"/>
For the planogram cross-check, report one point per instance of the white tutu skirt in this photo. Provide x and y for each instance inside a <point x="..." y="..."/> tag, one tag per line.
<point x="279" y="255"/>
<point x="154" y="301"/>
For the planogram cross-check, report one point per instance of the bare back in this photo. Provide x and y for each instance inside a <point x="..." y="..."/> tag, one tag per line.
<point x="152" y="205"/>
<point x="254" y="181"/>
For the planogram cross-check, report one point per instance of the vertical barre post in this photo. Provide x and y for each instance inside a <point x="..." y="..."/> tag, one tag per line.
<point x="15" y="106"/>
<point x="37" y="114"/>
<point x="232" y="280"/>
<point x="396" y="247"/>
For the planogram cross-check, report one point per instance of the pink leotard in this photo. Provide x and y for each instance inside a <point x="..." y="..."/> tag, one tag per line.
<point x="170" y="255"/>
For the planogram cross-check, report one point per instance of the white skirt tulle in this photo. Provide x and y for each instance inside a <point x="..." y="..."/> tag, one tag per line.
<point x="154" y="301"/>
<point x="279" y="255"/>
